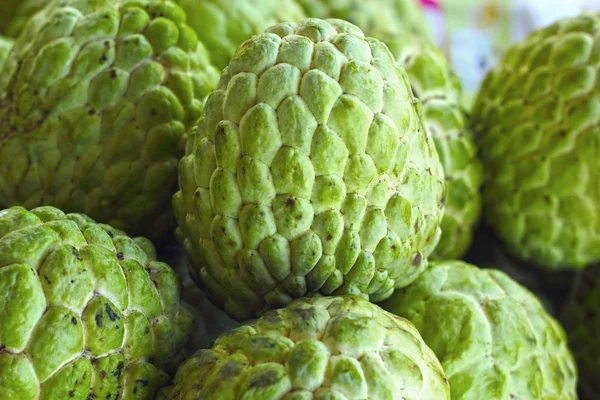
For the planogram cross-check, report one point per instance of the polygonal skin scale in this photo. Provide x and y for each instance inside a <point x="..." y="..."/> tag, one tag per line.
<point x="435" y="84"/>
<point x="318" y="348"/>
<point x="311" y="172"/>
<point x="581" y="317"/>
<point x="95" y="100"/>
<point x="85" y="311"/>
<point x="223" y="25"/>
<point x="536" y="120"/>
<point x="492" y="336"/>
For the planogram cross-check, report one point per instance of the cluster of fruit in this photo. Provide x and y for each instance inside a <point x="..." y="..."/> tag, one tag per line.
<point x="330" y="167"/>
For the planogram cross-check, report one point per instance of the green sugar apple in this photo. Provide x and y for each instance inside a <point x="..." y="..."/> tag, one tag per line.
<point x="223" y="25"/>
<point x="435" y="84"/>
<point x="95" y="99"/>
<point x="85" y="311"/>
<point x="492" y="336"/>
<point x="381" y="19"/>
<point x="536" y="120"/>
<point x="311" y="172"/>
<point x="316" y="348"/>
<point x="6" y="45"/>
<point x="582" y="321"/>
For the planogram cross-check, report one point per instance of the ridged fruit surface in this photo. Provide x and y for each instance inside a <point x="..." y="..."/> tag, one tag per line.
<point x="318" y="348"/>
<point x="581" y="317"/>
<point x="492" y="336"/>
<point x="436" y="85"/>
<point x="86" y="312"/>
<point x="311" y="172"/>
<point x="223" y="25"/>
<point x="6" y="45"/>
<point x="95" y="100"/>
<point x="536" y="120"/>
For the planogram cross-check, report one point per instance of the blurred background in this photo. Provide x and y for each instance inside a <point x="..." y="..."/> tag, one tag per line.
<point x="475" y="33"/>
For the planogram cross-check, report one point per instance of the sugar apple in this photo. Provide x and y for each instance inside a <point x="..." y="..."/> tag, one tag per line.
<point x="381" y="19"/>
<point x="582" y="321"/>
<point x="435" y="84"/>
<point x="316" y="348"/>
<point x="536" y="120"/>
<point x="6" y="45"/>
<point x="492" y="336"/>
<point x="94" y="102"/>
<point x="223" y="25"/>
<point x="311" y="172"/>
<point x="85" y="311"/>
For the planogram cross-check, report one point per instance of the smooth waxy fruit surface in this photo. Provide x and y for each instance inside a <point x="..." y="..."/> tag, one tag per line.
<point x="312" y="172"/>
<point x="223" y="25"/>
<point x="582" y="322"/>
<point x="536" y="119"/>
<point x="492" y="336"/>
<point x="86" y="312"/>
<point x="95" y="99"/>
<point x="319" y="348"/>
<point x="438" y="88"/>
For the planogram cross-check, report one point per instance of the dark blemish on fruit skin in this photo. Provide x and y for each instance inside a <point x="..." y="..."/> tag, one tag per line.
<point x="289" y="202"/>
<point x="142" y="382"/>
<point x="119" y="369"/>
<point x="262" y="214"/>
<point x="91" y="111"/>
<point x="416" y="225"/>
<point x="197" y="194"/>
<point x="113" y="74"/>
<point x="98" y="319"/>
<point x="329" y="237"/>
<point x="71" y="393"/>
<point x="417" y="260"/>
<point x="102" y="374"/>
<point x="103" y="58"/>
<point x="76" y="253"/>
<point x="394" y="247"/>
<point x="2" y="347"/>
<point x="74" y="320"/>
<point x="47" y="280"/>
<point x="298" y="217"/>
<point x="120" y="256"/>
<point x="113" y="316"/>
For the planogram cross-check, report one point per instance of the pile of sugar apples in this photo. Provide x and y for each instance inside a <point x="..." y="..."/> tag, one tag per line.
<point x="261" y="199"/>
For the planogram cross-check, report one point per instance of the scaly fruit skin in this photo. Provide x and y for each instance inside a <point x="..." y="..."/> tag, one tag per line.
<point x="435" y="84"/>
<point x="582" y="321"/>
<point x="223" y="25"/>
<point x="381" y="19"/>
<point x="311" y="172"/>
<point x="24" y="12"/>
<point x="316" y="348"/>
<point x="536" y="122"/>
<point x="95" y="100"/>
<point x="6" y="45"/>
<point x="86" y="311"/>
<point x="492" y="336"/>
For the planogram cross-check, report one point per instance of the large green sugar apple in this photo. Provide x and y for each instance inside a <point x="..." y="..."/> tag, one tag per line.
<point x="95" y="99"/>
<point x="381" y="19"/>
<point x="85" y="311"/>
<point x="6" y="45"/>
<point x="434" y="83"/>
<point x="492" y="336"/>
<point x="581" y="317"/>
<point x="316" y="348"/>
<point x="223" y="25"/>
<point x="311" y="172"/>
<point x="536" y="119"/>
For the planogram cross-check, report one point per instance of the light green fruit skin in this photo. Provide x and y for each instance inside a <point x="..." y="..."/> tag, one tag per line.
<point x="311" y="172"/>
<point x="86" y="311"/>
<point x="435" y="84"/>
<point x="315" y="348"/>
<point x="492" y="336"/>
<point x="536" y="122"/>
<point x="581" y="317"/>
<point x="95" y="100"/>
<point x="381" y="19"/>
<point x="6" y="45"/>
<point x="223" y="25"/>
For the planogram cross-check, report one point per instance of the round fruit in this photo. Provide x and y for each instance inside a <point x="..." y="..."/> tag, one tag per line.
<point x="536" y="120"/>
<point x="95" y="99"/>
<point x="317" y="348"/>
<point x="311" y="172"/>
<point x="223" y="25"/>
<point x="85" y="311"/>
<point x="582" y="321"/>
<point x="492" y="336"/>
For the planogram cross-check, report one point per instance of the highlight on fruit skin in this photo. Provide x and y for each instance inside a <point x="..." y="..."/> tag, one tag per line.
<point x="536" y="120"/>
<point x="86" y="311"/>
<point x="315" y="348"/>
<point x="492" y="336"/>
<point x="96" y="98"/>
<point x="311" y="172"/>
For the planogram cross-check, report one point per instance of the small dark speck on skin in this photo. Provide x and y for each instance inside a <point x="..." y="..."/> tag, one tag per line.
<point x="298" y="217"/>
<point x="74" y="320"/>
<point x="262" y="214"/>
<point x="91" y="111"/>
<point x="153" y="112"/>
<point x="113" y="74"/>
<point x="72" y="280"/>
<point x="2" y="347"/>
<point x="416" y="225"/>
<point x="142" y="382"/>
<point x="289" y="203"/>
<point x="197" y="194"/>
<point x="75" y="253"/>
<point x="103" y="58"/>
<point x="146" y="331"/>
<point x="120" y="256"/>
<point x="394" y="247"/>
<point x="417" y="260"/>
<point x="110" y="234"/>
<point x="98" y="318"/>
<point x="102" y="374"/>
<point x="329" y="237"/>
<point x="71" y="393"/>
